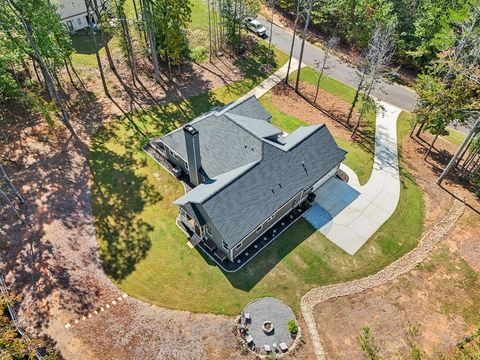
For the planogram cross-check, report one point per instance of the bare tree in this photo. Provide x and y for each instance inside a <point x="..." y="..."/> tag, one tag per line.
<point x="147" y="16"/>
<point x="308" y="9"/>
<point x="376" y="58"/>
<point x="332" y="43"/>
<point x="295" y="24"/>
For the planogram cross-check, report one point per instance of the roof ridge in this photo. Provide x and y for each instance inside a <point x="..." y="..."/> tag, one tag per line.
<point x="241" y="171"/>
<point x="233" y="105"/>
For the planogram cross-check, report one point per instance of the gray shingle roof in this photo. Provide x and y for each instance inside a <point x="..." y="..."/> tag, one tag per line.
<point x="224" y="145"/>
<point x="253" y="169"/>
<point x="245" y="203"/>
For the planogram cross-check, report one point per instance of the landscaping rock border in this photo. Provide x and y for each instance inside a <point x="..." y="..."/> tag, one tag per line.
<point x="401" y="266"/>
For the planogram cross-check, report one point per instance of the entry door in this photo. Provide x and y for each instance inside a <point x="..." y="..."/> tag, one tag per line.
<point x="70" y="26"/>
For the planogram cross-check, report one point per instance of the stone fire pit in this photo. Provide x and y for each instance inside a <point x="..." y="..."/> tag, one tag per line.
<point x="267" y="327"/>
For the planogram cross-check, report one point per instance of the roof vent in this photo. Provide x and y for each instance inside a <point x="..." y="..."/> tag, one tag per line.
<point x="304" y="168"/>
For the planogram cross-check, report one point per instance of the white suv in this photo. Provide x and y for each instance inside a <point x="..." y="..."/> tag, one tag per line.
<point x="255" y="26"/>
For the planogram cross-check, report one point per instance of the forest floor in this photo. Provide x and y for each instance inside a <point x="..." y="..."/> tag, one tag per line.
<point x="52" y="263"/>
<point x="438" y="301"/>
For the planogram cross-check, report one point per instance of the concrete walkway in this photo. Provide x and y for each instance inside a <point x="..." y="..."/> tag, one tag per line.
<point x="267" y="84"/>
<point x="349" y="215"/>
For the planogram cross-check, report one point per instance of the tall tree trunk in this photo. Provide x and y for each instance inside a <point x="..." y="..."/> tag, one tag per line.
<point x="37" y="74"/>
<point x="97" y="55"/>
<point x="141" y="32"/>
<point x="52" y="91"/>
<point x="355" y="99"/>
<point x="107" y="48"/>
<point x="293" y="40"/>
<point x="76" y="74"/>
<point x="431" y="146"/>
<point x="302" y="48"/>
<point x="270" y="53"/>
<point x="209" y="31"/>
<point x="151" y="39"/>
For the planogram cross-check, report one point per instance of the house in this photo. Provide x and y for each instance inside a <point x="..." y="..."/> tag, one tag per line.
<point x="246" y="173"/>
<point x="73" y="14"/>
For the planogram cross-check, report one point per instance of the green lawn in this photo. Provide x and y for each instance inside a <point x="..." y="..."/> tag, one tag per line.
<point x="145" y="253"/>
<point x="454" y="136"/>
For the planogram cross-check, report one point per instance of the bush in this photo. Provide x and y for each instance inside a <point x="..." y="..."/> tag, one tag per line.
<point x="292" y="326"/>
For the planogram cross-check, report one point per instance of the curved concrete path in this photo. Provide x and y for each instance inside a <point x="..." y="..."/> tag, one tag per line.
<point x="349" y="215"/>
<point x="403" y="265"/>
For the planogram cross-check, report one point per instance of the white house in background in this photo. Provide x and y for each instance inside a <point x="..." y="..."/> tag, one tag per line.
<point x="73" y="13"/>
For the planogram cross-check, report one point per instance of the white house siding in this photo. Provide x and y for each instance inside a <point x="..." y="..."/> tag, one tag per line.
<point x="73" y="14"/>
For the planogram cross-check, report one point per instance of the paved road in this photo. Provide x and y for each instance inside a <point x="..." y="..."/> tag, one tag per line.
<point x="397" y="95"/>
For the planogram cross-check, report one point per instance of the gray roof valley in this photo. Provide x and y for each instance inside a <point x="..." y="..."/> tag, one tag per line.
<point x="253" y="168"/>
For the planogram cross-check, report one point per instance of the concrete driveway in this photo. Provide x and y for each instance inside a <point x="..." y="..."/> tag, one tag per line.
<point x="349" y="214"/>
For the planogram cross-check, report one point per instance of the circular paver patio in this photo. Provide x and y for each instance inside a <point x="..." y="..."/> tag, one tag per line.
<point x="274" y="311"/>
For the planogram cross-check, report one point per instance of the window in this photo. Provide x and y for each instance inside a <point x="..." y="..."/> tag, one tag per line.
<point x="209" y="231"/>
<point x="259" y="228"/>
<point x="79" y="21"/>
<point x="173" y="153"/>
<point x="239" y="245"/>
<point x="271" y="217"/>
<point x="186" y="165"/>
<point x="225" y="245"/>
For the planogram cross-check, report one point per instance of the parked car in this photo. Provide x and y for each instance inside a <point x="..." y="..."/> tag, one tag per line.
<point x="255" y="26"/>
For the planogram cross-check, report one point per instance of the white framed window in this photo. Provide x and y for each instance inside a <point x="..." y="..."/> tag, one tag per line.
<point x="186" y="165"/>
<point x="209" y="231"/>
<point x="225" y="245"/>
<point x="259" y="228"/>
<point x="238" y="246"/>
<point x="173" y="153"/>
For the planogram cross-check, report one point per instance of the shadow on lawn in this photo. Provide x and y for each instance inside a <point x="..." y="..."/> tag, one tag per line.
<point x="119" y="197"/>
<point x="83" y="44"/>
<point x="253" y="272"/>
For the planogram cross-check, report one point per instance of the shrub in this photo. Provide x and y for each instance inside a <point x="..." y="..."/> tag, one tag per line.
<point x="292" y="326"/>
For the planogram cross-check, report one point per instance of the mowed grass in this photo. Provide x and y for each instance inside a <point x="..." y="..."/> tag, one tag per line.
<point x="454" y="137"/>
<point x="146" y="255"/>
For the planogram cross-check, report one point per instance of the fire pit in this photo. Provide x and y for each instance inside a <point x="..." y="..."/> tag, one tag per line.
<point x="267" y="327"/>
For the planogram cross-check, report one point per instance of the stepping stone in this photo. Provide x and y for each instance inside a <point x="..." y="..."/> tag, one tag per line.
<point x="239" y="261"/>
<point x="255" y="246"/>
<point x="67" y="326"/>
<point x="264" y="238"/>
<point x="102" y="309"/>
<point x="246" y="254"/>
<point x="76" y="321"/>
<point x="95" y="312"/>
<point x="124" y="296"/>
<point x="119" y="298"/>
<point x="114" y="302"/>
<point x="90" y="315"/>
<point x="84" y="318"/>
<point x="283" y="224"/>
<point x="107" y="306"/>
<point x="274" y="231"/>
